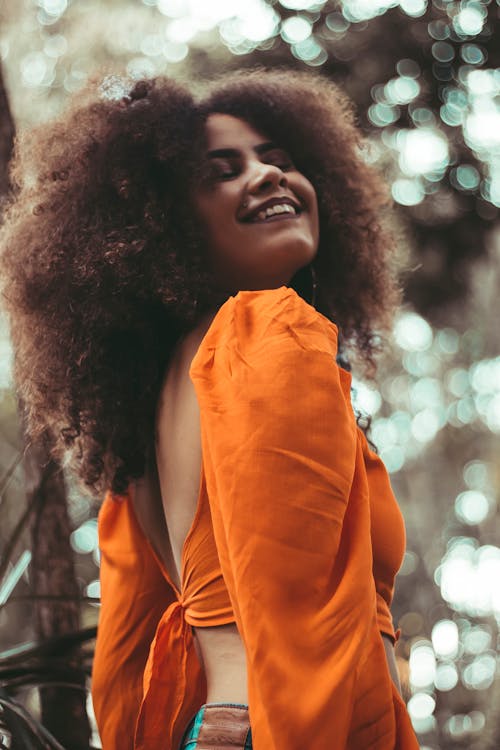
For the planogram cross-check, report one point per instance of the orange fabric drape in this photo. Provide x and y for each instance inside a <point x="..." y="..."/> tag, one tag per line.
<point x="134" y="596"/>
<point x="297" y="537"/>
<point x="147" y="680"/>
<point x="290" y="501"/>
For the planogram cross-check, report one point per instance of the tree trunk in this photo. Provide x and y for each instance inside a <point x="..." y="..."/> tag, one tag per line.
<point x="6" y="136"/>
<point x="52" y="574"/>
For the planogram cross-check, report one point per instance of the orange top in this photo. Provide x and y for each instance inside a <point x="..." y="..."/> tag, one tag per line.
<point x="297" y="538"/>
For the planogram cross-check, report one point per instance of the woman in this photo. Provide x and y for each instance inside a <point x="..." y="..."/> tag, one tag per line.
<point x="176" y="271"/>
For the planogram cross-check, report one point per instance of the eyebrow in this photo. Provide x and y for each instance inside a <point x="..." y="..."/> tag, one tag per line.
<point x="226" y="153"/>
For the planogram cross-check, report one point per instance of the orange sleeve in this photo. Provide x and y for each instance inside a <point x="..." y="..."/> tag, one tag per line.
<point x="290" y="507"/>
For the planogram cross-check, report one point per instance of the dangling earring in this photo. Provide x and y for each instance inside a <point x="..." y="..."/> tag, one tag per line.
<point x="314" y="283"/>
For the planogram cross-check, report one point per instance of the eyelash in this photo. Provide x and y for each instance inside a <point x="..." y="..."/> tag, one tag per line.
<point x="285" y="165"/>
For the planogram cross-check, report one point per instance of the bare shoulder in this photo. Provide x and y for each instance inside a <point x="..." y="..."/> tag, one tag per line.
<point x="177" y="390"/>
<point x="194" y="338"/>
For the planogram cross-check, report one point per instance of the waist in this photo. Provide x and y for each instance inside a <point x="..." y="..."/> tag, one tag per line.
<point x="219" y="724"/>
<point x="222" y="655"/>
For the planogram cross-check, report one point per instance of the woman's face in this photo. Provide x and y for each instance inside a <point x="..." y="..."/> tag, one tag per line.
<point x="258" y="213"/>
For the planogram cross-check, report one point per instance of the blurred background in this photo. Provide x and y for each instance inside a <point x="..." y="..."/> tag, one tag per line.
<point x="425" y="80"/>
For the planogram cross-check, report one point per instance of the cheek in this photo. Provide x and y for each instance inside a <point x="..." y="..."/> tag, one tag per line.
<point x="220" y="235"/>
<point x="209" y="217"/>
<point x="216" y="213"/>
<point x="305" y="188"/>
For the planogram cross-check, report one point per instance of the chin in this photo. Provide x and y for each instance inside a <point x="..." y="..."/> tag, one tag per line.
<point x="301" y="250"/>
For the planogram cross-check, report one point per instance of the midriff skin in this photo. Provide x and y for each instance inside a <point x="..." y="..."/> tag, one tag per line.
<point x="223" y="658"/>
<point x="165" y="504"/>
<point x="222" y="655"/>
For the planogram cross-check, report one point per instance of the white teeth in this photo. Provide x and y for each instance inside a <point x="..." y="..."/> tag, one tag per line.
<point x="279" y="208"/>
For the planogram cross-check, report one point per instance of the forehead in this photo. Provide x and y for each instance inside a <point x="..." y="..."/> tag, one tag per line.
<point x="226" y="131"/>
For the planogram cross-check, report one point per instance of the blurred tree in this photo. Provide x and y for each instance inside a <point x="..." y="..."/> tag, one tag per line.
<point x="53" y="582"/>
<point x="63" y="706"/>
<point x="6" y="137"/>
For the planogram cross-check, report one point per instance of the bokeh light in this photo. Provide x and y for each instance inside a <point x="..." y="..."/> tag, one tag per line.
<point x="477" y="640"/>
<point x="471" y="507"/>
<point x="421" y="705"/>
<point x="413" y="8"/>
<point x="422" y="665"/>
<point x="446" y="677"/>
<point x="421" y="708"/>
<point x="407" y="192"/>
<point x="480" y="674"/>
<point x="296" y="29"/>
<point x="409" y="566"/>
<point x="84" y="538"/>
<point x="460" y="726"/>
<point x="53" y="7"/>
<point x="469" y="577"/>
<point x="94" y="590"/>
<point x="422" y="151"/>
<point x="412" y="332"/>
<point x="470" y="19"/>
<point x="476" y="475"/>
<point x="302" y="4"/>
<point x="309" y="51"/>
<point x="366" y="398"/>
<point x="445" y="638"/>
<point x="6" y="355"/>
<point x="362" y="10"/>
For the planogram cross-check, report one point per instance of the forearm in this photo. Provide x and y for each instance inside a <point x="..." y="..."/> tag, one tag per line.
<point x="391" y="660"/>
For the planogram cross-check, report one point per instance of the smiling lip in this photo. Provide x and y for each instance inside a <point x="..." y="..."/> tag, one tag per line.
<point x="275" y="217"/>
<point x="277" y="200"/>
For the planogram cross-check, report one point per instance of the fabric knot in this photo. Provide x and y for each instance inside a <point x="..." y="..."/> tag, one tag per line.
<point x="171" y="678"/>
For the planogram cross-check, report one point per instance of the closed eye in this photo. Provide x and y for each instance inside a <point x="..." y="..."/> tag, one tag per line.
<point x="280" y="158"/>
<point x="223" y="169"/>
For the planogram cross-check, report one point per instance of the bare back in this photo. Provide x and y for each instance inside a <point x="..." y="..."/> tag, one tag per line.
<point x="166" y="502"/>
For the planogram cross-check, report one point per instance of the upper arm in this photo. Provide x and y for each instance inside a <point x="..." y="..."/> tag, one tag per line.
<point x="290" y="509"/>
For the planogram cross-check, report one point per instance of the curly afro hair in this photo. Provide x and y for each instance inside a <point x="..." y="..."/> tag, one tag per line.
<point x="104" y="266"/>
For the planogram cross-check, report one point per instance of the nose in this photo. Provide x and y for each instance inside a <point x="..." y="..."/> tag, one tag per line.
<point x="265" y="177"/>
